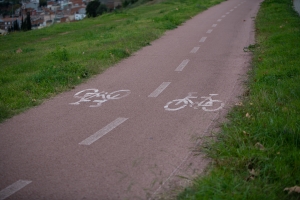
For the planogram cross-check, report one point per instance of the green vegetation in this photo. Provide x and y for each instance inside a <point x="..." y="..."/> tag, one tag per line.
<point x="38" y="64"/>
<point x="257" y="153"/>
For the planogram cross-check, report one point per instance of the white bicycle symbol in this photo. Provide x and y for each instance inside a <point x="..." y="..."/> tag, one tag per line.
<point x="88" y="94"/>
<point x="207" y="104"/>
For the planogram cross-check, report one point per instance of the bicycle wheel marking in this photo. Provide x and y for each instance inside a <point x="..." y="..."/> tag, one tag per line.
<point x="208" y="104"/>
<point x="98" y="98"/>
<point x="13" y="188"/>
<point x="96" y="136"/>
<point x="160" y="89"/>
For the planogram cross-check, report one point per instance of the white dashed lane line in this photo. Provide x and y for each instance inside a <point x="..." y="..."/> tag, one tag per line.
<point x="223" y="16"/>
<point x="209" y="31"/>
<point x="182" y="65"/>
<point x="227" y="13"/>
<point x="13" y="188"/>
<point x="203" y="39"/>
<point x="96" y="136"/>
<point x="214" y="25"/>
<point x="219" y="20"/>
<point x="160" y="89"/>
<point x="195" y="49"/>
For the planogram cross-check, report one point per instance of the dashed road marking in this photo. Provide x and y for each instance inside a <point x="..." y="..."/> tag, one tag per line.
<point x="223" y="16"/>
<point x="209" y="31"/>
<point x="195" y="49"/>
<point x="231" y="10"/>
<point x="214" y="25"/>
<point x="227" y="13"/>
<point x="182" y="65"/>
<point x="13" y="188"/>
<point x="96" y="136"/>
<point x="160" y="89"/>
<point x="219" y="20"/>
<point x="203" y="39"/>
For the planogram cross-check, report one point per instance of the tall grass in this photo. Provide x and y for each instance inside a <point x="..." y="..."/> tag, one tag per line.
<point x="39" y="64"/>
<point x="257" y="153"/>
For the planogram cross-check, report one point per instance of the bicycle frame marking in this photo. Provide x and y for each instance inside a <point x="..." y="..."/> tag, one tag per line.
<point x="206" y="104"/>
<point x="95" y="96"/>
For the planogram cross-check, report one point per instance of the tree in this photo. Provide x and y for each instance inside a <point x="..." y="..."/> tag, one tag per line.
<point x="91" y="8"/>
<point x="42" y="3"/>
<point x="16" y="26"/>
<point x="101" y="9"/>
<point x="28" y="22"/>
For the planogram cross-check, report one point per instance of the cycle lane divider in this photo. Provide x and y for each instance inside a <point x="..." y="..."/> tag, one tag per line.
<point x="13" y="188"/>
<point x="194" y="50"/>
<point x="160" y="89"/>
<point x="96" y="136"/>
<point x="182" y="65"/>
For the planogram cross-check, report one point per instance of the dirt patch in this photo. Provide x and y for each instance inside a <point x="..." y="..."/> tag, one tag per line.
<point x="65" y="33"/>
<point x="44" y="39"/>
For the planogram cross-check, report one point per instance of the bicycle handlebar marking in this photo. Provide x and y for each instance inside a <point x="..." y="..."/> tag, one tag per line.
<point x="98" y="97"/>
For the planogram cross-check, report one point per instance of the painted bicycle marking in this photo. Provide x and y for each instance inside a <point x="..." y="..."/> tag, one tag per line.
<point x="208" y="104"/>
<point x="97" y="97"/>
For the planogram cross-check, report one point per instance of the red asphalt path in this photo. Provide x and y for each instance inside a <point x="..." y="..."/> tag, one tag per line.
<point x="132" y="147"/>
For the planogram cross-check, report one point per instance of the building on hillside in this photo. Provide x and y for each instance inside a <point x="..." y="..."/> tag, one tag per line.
<point x="80" y="14"/>
<point x="7" y="23"/>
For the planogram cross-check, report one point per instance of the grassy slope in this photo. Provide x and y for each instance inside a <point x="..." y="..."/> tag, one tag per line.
<point x="257" y="154"/>
<point x="55" y="59"/>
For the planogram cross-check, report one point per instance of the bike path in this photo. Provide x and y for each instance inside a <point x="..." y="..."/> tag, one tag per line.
<point x="143" y="146"/>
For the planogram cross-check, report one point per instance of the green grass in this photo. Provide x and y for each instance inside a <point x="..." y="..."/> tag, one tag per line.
<point x="38" y="64"/>
<point x="257" y="153"/>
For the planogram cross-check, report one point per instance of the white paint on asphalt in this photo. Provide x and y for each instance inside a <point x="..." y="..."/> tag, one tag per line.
<point x="209" y="31"/>
<point x="203" y="39"/>
<point x="231" y="10"/>
<point x="195" y="49"/>
<point x="223" y="16"/>
<point x="227" y="13"/>
<point x="207" y="104"/>
<point x="160" y="89"/>
<point x="219" y="20"/>
<point x="88" y="95"/>
<point x="13" y="188"/>
<point x="182" y="65"/>
<point x="96" y="136"/>
<point x="214" y="25"/>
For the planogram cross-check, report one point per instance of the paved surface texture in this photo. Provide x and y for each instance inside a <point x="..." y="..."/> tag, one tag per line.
<point x="135" y="140"/>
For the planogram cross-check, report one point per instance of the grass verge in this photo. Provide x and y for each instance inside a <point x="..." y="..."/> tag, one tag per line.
<point x="38" y="64"/>
<point x="257" y="153"/>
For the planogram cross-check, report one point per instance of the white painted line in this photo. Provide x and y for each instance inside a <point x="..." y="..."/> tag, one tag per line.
<point x="235" y="7"/>
<point x="182" y="65"/>
<point x="203" y="39"/>
<point x="219" y="20"/>
<point x="159" y="90"/>
<point x="214" y="25"/>
<point x="227" y="13"/>
<point x="209" y="31"/>
<point x="13" y="188"/>
<point x="96" y="136"/>
<point x="223" y="16"/>
<point x="195" y="49"/>
<point x="231" y="10"/>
